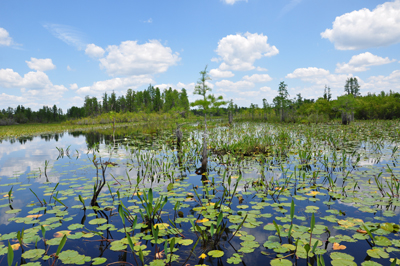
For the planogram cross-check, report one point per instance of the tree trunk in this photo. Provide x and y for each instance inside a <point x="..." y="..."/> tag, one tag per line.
<point x="345" y="118"/>
<point x="230" y="117"/>
<point x="204" y="155"/>
<point x="178" y="136"/>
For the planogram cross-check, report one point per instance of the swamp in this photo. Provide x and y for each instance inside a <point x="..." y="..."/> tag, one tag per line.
<point x="250" y="193"/>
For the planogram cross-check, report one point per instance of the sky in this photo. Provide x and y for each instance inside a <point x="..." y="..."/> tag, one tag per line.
<point x="58" y="52"/>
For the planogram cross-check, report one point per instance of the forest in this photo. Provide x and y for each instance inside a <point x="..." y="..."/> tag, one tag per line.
<point x="351" y="105"/>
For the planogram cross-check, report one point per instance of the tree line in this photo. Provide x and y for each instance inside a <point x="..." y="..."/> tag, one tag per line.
<point x="149" y="100"/>
<point x="347" y="107"/>
<point x="352" y="105"/>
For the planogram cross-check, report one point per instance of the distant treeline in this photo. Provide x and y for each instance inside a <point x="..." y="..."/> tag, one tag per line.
<point x="149" y="100"/>
<point x="346" y="107"/>
<point x="143" y="105"/>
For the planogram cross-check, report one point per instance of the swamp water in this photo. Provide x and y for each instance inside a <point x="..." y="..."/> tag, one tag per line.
<point x="323" y="195"/>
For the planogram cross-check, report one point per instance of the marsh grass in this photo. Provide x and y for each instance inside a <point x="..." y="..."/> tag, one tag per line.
<point x="275" y="193"/>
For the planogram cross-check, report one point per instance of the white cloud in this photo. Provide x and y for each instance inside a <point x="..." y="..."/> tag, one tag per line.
<point x="261" y="69"/>
<point x="73" y="86"/>
<point x="217" y="74"/>
<point x="41" y="64"/>
<point x="70" y="69"/>
<point x="67" y="34"/>
<point x="230" y="86"/>
<point x="310" y="72"/>
<point x="116" y="84"/>
<point x="265" y="89"/>
<point x="9" y="78"/>
<point x="256" y="78"/>
<point x="131" y="58"/>
<point x="150" y="20"/>
<point x="94" y="51"/>
<point x="319" y="76"/>
<point x="376" y="84"/>
<point x="35" y="85"/>
<point x="5" y="38"/>
<point x="6" y="99"/>
<point x="364" y="28"/>
<point x="231" y="2"/>
<point x="361" y="62"/>
<point x="239" y="52"/>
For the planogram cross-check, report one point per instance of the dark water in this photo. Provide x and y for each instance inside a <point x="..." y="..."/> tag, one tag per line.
<point x="40" y="163"/>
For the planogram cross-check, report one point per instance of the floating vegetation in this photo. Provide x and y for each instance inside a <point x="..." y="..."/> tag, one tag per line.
<point x="276" y="193"/>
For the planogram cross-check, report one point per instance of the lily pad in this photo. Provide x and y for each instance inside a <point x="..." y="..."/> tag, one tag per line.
<point x="98" y="221"/>
<point x="215" y="253"/>
<point x="281" y="262"/>
<point x="33" y="254"/>
<point x="97" y="261"/>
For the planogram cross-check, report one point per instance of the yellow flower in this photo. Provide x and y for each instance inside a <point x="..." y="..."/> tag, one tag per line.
<point x="202" y="256"/>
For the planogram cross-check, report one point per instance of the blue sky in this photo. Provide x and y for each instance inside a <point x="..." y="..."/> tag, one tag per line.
<point x="57" y="52"/>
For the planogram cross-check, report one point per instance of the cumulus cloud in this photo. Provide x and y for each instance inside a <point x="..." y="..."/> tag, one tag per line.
<point x="376" y="84"/>
<point x="94" y="51"/>
<point x="261" y="69"/>
<point x="73" y="86"/>
<point x="9" y="78"/>
<point x="256" y="78"/>
<point x="116" y="84"/>
<point x="320" y="77"/>
<point x="67" y="34"/>
<point x="361" y="62"/>
<point x="230" y="86"/>
<point x="239" y="52"/>
<point x="41" y="64"/>
<point x="217" y="74"/>
<point x="5" y="38"/>
<point x="373" y="84"/>
<point x="131" y="58"/>
<point x="364" y="28"/>
<point x="231" y="2"/>
<point x="35" y="85"/>
<point x="310" y="72"/>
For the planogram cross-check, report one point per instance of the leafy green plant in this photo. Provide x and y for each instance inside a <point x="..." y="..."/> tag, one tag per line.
<point x="10" y="255"/>
<point x="152" y="208"/>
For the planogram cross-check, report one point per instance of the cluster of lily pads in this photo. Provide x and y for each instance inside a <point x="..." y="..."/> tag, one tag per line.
<point x="286" y="194"/>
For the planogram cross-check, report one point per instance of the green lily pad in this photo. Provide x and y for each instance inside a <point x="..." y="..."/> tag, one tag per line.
<point x="185" y="242"/>
<point x="370" y="263"/>
<point x="97" y="261"/>
<point x="13" y="211"/>
<point x="157" y="263"/>
<point x="98" y="221"/>
<point x="73" y="257"/>
<point x="377" y="253"/>
<point x="75" y="226"/>
<point x="339" y="258"/>
<point x="215" y="253"/>
<point x="33" y="254"/>
<point x="281" y="262"/>
<point x="382" y="241"/>
<point x="235" y="259"/>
